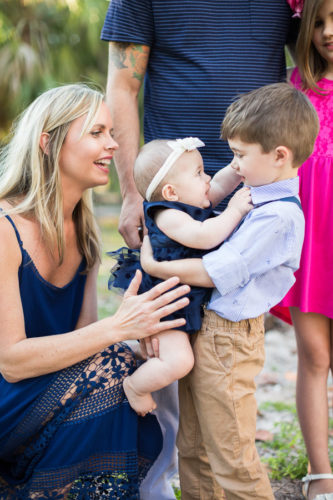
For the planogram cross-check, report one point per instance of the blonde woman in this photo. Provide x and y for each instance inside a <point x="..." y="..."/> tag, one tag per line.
<point x="65" y="426"/>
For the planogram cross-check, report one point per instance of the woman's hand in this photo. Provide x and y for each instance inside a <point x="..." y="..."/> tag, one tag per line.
<point x="139" y="315"/>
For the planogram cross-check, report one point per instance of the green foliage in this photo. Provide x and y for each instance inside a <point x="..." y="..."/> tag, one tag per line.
<point x="45" y="43"/>
<point x="289" y="458"/>
<point x="177" y="493"/>
<point x="286" y="455"/>
<point x="278" y="406"/>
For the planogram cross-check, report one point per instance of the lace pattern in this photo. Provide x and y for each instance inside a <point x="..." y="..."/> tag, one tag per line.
<point x="78" y="394"/>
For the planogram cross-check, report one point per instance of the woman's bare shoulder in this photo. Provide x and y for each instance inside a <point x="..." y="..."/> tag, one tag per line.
<point x="9" y="245"/>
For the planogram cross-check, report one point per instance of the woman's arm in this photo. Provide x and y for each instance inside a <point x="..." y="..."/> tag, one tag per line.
<point x="189" y="232"/>
<point x="189" y="271"/>
<point x="137" y="317"/>
<point x="88" y="313"/>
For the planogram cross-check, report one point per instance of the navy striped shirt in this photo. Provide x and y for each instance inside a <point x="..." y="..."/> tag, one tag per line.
<point x="203" y="53"/>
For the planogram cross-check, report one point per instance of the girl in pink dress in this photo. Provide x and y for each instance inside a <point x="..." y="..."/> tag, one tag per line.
<point x="311" y="298"/>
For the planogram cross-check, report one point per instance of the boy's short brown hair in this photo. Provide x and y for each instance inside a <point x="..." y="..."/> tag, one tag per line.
<point x="274" y="115"/>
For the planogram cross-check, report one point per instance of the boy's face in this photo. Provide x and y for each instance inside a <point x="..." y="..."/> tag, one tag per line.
<point x="254" y="166"/>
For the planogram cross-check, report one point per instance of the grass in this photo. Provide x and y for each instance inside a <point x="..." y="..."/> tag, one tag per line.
<point x="177" y="493"/>
<point x="286" y="455"/>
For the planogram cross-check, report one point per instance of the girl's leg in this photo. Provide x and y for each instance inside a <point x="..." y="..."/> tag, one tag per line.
<point x="175" y="361"/>
<point x="314" y="345"/>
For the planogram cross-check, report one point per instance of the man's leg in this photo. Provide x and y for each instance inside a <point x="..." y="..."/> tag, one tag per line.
<point x="157" y="486"/>
<point x="227" y="358"/>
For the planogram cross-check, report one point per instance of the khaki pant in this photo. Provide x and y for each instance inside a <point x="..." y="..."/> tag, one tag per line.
<point x="216" y="437"/>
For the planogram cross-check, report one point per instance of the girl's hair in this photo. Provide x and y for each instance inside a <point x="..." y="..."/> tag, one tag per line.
<point x="30" y="177"/>
<point x="148" y="162"/>
<point x="311" y="64"/>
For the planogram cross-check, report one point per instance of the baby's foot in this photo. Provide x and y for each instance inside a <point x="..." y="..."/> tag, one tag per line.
<point x="141" y="403"/>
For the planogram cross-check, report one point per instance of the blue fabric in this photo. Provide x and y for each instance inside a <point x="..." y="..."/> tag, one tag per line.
<point x="71" y="434"/>
<point x="164" y="248"/>
<point x="203" y="54"/>
<point x="253" y="270"/>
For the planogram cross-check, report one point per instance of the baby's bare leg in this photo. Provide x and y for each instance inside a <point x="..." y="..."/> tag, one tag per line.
<point x="174" y="362"/>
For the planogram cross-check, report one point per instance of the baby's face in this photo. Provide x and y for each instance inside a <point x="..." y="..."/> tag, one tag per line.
<point x="189" y="180"/>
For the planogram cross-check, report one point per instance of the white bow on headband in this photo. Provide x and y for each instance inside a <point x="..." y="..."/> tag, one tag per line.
<point x="179" y="146"/>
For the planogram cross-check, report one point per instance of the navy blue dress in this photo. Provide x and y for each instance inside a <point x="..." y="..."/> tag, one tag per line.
<point x="71" y="434"/>
<point x="164" y="248"/>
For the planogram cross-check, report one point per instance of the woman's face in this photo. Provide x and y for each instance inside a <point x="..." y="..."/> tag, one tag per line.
<point x="85" y="161"/>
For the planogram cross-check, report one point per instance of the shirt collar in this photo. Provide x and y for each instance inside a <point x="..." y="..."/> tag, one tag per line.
<point x="274" y="191"/>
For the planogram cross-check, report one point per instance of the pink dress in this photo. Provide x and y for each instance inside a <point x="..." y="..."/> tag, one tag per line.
<point x="313" y="290"/>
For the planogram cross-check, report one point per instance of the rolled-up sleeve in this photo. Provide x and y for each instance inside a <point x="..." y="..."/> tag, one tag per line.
<point x="227" y="268"/>
<point x="263" y="242"/>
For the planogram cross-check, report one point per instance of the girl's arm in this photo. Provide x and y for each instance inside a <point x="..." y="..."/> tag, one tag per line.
<point x="138" y="316"/>
<point x="223" y="183"/>
<point x="189" y="271"/>
<point x="180" y="227"/>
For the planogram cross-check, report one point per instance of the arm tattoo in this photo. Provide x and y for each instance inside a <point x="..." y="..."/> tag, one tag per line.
<point x="117" y="54"/>
<point x="129" y="56"/>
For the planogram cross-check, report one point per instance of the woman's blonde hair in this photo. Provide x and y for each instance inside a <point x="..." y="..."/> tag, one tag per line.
<point x="310" y="63"/>
<point x="30" y="178"/>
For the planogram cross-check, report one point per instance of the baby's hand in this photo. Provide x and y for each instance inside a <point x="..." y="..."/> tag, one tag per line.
<point x="241" y="201"/>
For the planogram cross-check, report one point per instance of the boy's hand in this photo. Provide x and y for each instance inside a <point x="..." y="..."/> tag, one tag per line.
<point x="241" y="201"/>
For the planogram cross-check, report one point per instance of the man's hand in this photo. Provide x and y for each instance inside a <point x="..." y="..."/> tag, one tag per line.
<point x="131" y="221"/>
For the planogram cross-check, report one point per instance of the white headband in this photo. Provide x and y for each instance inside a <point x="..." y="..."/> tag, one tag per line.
<point x="179" y="146"/>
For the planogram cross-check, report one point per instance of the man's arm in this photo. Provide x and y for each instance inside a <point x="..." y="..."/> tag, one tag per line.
<point x="190" y="271"/>
<point x="127" y="67"/>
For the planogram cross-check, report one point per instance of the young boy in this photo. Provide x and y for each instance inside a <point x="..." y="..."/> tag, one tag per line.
<point x="271" y="131"/>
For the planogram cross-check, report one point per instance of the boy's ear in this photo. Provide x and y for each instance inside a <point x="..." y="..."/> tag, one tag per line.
<point x="44" y="142"/>
<point x="282" y="155"/>
<point x="169" y="193"/>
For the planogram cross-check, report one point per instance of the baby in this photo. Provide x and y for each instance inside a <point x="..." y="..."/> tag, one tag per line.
<point x="178" y="215"/>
